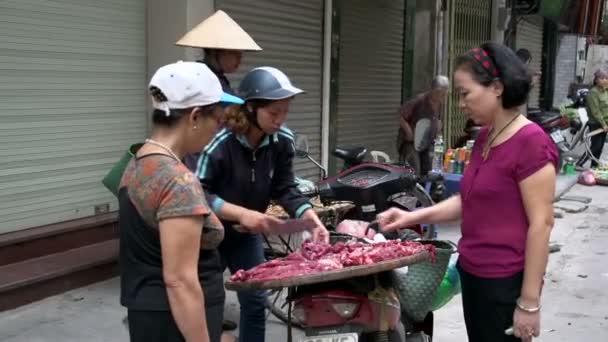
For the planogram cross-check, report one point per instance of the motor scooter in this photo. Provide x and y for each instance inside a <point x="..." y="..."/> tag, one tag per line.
<point x="362" y="309"/>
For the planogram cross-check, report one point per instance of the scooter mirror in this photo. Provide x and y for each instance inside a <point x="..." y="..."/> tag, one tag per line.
<point x="301" y="145"/>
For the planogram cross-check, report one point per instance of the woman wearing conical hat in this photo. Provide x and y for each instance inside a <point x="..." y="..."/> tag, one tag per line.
<point x="223" y="41"/>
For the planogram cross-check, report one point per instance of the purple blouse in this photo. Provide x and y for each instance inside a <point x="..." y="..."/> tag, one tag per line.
<point x="494" y="219"/>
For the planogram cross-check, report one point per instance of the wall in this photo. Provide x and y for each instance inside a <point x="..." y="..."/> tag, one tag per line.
<point x="425" y="42"/>
<point x="167" y="22"/>
<point x="565" y="67"/>
<point x="500" y="14"/>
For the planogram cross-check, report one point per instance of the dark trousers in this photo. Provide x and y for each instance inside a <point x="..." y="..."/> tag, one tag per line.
<point x="597" y="144"/>
<point x="421" y="161"/>
<point x="246" y="251"/>
<point x="488" y="306"/>
<point x="159" y="326"/>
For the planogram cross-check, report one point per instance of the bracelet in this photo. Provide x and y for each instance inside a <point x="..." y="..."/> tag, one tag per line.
<point x="527" y="309"/>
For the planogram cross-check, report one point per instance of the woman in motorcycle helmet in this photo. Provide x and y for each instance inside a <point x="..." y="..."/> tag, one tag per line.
<point x="223" y="42"/>
<point x="246" y="165"/>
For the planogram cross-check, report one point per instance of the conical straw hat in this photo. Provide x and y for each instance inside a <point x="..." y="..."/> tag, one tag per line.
<point x="219" y="31"/>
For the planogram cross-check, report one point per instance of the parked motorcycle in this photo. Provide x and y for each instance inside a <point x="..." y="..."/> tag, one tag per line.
<point x="372" y="187"/>
<point x="568" y="128"/>
<point x="366" y="308"/>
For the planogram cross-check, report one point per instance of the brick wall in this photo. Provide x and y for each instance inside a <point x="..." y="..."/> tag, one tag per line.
<point x="565" y="67"/>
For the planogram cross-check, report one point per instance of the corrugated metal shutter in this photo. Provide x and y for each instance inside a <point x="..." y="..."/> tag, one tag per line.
<point x="72" y="94"/>
<point x="291" y="34"/>
<point x="530" y="36"/>
<point x="470" y="26"/>
<point x="370" y="76"/>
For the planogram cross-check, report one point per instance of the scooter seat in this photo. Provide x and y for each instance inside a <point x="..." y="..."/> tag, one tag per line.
<point x="350" y="154"/>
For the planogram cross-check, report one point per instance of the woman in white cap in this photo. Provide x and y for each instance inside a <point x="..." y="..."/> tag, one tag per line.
<point x="245" y="166"/>
<point x="171" y="275"/>
<point x="223" y="42"/>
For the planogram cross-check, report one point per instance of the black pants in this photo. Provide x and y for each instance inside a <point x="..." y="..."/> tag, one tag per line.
<point x="159" y="326"/>
<point x="488" y="306"/>
<point x="420" y="161"/>
<point x="597" y="144"/>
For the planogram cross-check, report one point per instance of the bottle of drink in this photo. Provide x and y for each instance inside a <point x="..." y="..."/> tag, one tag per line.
<point x="446" y="160"/>
<point x="438" y="150"/>
<point x="570" y="167"/>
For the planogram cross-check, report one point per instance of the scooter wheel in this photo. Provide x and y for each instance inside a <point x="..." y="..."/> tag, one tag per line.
<point x="418" y="337"/>
<point x="390" y="336"/>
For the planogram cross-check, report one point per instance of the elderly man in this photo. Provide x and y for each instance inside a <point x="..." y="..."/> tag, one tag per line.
<point x="419" y="125"/>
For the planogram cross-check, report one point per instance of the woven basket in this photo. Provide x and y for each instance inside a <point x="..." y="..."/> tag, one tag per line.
<point x="417" y="288"/>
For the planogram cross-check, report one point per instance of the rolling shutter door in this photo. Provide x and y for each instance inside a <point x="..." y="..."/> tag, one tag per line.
<point x="530" y="36"/>
<point x="370" y="74"/>
<point x="291" y="34"/>
<point x="72" y="88"/>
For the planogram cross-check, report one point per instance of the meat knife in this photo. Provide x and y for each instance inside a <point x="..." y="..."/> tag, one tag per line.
<point x="293" y="226"/>
<point x="289" y="226"/>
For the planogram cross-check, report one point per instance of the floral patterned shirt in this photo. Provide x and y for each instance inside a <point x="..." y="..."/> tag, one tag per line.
<point x="160" y="187"/>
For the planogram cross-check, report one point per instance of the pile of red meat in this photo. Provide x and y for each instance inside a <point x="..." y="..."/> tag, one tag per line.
<point x="316" y="257"/>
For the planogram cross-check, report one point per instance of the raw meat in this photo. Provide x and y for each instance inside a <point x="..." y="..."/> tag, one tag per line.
<point x="316" y="257"/>
<point x="355" y="228"/>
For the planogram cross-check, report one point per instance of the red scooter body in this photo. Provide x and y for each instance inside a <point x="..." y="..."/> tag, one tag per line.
<point x="334" y="313"/>
<point x="341" y="307"/>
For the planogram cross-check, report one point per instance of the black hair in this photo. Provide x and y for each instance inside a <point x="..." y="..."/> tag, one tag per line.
<point x="524" y="55"/>
<point x="160" y="117"/>
<point x="512" y="73"/>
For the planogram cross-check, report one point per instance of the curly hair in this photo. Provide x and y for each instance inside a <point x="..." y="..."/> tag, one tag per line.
<point x="239" y="119"/>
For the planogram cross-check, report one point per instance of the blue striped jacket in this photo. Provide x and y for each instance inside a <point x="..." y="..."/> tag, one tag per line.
<point x="230" y="170"/>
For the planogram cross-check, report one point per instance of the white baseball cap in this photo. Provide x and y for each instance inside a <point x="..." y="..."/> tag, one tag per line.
<point x="187" y="85"/>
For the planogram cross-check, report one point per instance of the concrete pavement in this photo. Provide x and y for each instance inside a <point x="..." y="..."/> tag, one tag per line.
<point x="575" y="300"/>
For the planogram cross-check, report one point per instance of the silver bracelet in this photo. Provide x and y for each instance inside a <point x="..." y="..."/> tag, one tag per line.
<point x="527" y="309"/>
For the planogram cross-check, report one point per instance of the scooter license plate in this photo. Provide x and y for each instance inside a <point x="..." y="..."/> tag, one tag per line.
<point x="557" y="137"/>
<point x="332" y="338"/>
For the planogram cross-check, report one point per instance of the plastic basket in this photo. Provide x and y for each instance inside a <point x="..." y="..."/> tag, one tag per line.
<point x="417" y="288"/>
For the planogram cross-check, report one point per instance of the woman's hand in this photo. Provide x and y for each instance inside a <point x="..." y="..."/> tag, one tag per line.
<point x="526" y="324"/>
<point x="394" y="219"/>
<point x="319" y="232"/>
<point x="256" y="222"/>
<point x="605" y="127"/>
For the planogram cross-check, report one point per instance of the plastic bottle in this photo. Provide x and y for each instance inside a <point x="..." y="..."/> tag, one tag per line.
<point x="438" y="150"/>
<point x="446" y="160"/>
<point x="570" y="167"/>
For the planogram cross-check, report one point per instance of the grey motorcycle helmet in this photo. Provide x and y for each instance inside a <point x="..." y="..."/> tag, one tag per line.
<point x="267" y="83"/>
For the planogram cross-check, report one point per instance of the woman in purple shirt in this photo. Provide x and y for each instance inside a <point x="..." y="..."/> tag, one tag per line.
<point x="506" y="200"/>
